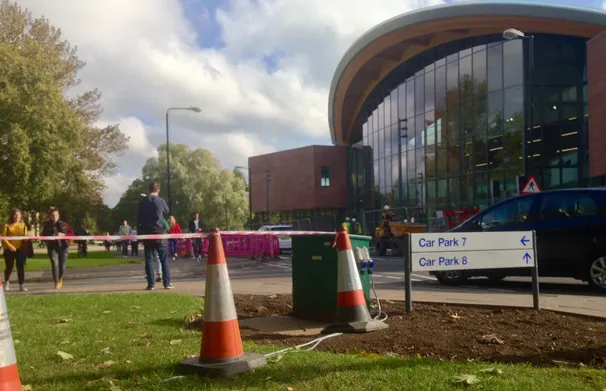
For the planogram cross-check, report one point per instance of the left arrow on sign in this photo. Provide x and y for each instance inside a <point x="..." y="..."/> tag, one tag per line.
<point x="524" y="240"/>
<point x="527" y="257"/>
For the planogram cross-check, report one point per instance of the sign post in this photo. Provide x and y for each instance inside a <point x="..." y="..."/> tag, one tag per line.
<point x="471" y="251"/>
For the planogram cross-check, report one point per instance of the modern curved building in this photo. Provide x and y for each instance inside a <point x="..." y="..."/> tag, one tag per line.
<point x="436" y="104"/>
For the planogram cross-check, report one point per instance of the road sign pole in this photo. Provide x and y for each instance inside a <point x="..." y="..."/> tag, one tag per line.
<point x="535" y="275"/>
<point x="407" y="272"/>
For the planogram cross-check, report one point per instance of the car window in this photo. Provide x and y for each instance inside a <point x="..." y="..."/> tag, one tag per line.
<point x="281" y="228"/>
<point x="512" y="212"/>
<point x="566" y="205"/>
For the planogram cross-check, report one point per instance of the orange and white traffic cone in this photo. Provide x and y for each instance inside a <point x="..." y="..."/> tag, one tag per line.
<point x="221" y="353"/>
<point x="9" y="374"/>
<point x="352" y="313"/>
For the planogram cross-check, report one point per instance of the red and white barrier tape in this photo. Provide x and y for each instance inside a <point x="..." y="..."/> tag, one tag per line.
<point x="163" y="236"/>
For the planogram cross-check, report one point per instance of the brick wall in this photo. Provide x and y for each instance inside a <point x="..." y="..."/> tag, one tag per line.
<point x="295" y="179"/>
<point x="596" y="89"/>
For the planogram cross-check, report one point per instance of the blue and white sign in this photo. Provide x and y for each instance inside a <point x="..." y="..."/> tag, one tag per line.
<point x="473" y="250"/>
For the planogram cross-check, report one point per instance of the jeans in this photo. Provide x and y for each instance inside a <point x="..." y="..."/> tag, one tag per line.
<point x="157" y="263"/>
<point x="151" y="246"/>
<point x="58" y="258"/>
<point x="172" y="243"/>
<point x="124" y="248"/>
<point x="197" y="245"/>
<point x="9" y="258"/>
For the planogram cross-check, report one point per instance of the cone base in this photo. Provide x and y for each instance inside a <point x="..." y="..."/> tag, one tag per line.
<point x="355" y="327"/>
<point x="247" y="362"/>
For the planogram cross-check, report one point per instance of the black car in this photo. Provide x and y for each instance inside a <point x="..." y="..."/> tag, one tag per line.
<point x="570" y="227"/>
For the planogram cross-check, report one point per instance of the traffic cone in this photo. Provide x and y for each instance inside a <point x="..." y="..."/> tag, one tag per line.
<point x="9" y="374"/>
<point x="352" y="313"/>
<point x="221" y="353"/>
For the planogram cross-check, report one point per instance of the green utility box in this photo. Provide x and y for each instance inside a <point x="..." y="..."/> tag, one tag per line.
<point x="314" y="275"/>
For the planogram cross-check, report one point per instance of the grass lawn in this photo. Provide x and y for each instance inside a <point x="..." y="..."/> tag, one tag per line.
<point x="138" y="339"/>
<point x="94" y="259"/>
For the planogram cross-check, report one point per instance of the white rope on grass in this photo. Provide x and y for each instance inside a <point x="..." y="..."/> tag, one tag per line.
<point x="315" y="343"/>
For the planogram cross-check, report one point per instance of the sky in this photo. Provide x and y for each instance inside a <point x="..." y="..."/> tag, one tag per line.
<point x="260" y="70"/>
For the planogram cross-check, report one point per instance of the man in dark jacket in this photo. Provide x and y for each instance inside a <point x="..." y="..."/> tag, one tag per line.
<point x="196" y="226"/>
<point x="151" y="215"/>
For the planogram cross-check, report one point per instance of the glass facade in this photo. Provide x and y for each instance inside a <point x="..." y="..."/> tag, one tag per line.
<point x="446" y="128"/>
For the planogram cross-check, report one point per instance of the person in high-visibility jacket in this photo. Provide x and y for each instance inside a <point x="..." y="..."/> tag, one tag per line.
<point x="347" y="224"/>
<point x="356" y="227"/>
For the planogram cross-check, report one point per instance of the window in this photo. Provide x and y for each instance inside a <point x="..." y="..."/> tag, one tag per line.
<point x="509" y="213"/>
<point x="325" y="178"/>
<point x="566" y="205"/>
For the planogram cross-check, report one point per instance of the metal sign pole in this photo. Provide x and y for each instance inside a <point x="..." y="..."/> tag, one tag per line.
<point x="407" y="272"/>
<point x="535" y="275"/>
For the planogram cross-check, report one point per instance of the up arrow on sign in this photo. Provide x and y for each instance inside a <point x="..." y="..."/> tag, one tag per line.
<point x="527" y="258"/>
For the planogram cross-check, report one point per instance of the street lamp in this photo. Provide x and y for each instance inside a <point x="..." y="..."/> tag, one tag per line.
<point x="512" y="34"/>
<point x="249" y="194"/>
<point x="168" y="175"/>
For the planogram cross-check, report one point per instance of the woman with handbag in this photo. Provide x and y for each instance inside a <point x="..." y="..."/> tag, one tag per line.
<point x="15" y="251"/>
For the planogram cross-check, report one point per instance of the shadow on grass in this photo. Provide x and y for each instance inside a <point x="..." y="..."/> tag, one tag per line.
<point x="589" y="357"/>
<point x="276" y="373"/>
<point x="169" y="322"/>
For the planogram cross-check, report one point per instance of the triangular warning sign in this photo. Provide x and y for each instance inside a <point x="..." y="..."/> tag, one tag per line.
<point x="531" y="186"/>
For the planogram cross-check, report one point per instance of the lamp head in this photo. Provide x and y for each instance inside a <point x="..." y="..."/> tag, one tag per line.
<point x="511" y="34"/>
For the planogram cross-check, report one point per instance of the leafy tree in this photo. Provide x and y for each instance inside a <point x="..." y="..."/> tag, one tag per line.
<point x="199" y="184"/>
<point x="53" y="153"/>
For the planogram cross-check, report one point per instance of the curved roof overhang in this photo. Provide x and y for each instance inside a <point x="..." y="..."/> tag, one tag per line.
<point x="382" y="49"/>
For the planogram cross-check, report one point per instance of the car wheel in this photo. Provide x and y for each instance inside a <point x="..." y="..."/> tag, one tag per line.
<point x="451" y="277"/>
<point x="597" y="274"/>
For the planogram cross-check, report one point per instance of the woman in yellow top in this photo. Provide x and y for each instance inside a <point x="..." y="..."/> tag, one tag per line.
<point x="14" y="250"/>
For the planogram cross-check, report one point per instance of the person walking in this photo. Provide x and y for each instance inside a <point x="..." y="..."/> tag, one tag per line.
<point x="125" y="230"/>
<point x="57" y="249"/>
<point x="15" y="251"/>
<point x="174" y="228"/>
<point x="196" y="226"/>
<point x="150" y="222"/>
<point x="134" y="244"/>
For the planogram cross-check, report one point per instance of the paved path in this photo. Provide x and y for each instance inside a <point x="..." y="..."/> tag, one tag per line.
<point x="273" y="277"/>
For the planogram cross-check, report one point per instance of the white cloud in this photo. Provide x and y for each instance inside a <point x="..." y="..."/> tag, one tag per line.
<point x="143" y="56"/>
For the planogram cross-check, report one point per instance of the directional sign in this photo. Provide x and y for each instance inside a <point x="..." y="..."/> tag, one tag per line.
<point x="471" y="241"/>
<point x="531" y="186"/>
<point x="445" y="261"/>
<point x="471" y="250"/>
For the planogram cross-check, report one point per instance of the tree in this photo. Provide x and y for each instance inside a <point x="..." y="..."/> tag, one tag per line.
<point x="199" y="184"/>
<point x="53" y="153"/>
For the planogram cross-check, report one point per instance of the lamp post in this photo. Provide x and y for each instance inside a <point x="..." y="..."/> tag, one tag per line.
<point x="510" y="35"/>
<point x="249" y="194"/>
<point x="168" y="175"/>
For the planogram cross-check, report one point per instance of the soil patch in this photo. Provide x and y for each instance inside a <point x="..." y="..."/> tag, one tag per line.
<point x="450" y="332"/>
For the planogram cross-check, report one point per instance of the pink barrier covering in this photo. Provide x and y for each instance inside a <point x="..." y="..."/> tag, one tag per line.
<point x="237" y="245"/>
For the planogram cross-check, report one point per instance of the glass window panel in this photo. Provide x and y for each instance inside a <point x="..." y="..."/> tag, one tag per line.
<point x="453" y="160"/>
<point x="382" y="175"/>
<point x="419" y="95"/>
<point x="570" y="176"/>
<point x="550" y="112"/>
<point x="570" y="73"/>
<point x="440" y="135"/>
<point x="452" y="49"/>
<point x="404" y="166"/>
<point x="387" y="108"/>
<point x="440" y="55"/>
<point x="420" y="157"/>
<point x="430" y="103"/>
<point x="479" y="71"/>
<point x="481" y="184"/>
<point x="480" y="153"/>
<point x="453" y="125"/>
<point x="569" y="111"/>
<point x="442" y="191"/>
<point x="441" y="162"/>
<point x="420" y="131"/>
<point x="431" y="193"/>
<point x="381" y="113"/>
<point x="395" y="171"/>
<point x="440" y="94"/>
<point x="468" y="166"/>
<point x="410" y="98"/>
<point x="394" y="107"/>
<point x="388" y="140"/>
<point x="514" y="107"/>
<point x="551" y="145"/>
<point x="430" y="128"/>
<point x="381" y="144"/>
<point x="454" y="185"/>
<point x="495" y="152"/>
<point x="495" y="112"/>
<point x="410" y="134"/>
<point x="402" y="101"/>
<point x="513" y="62"/>
<point x="569" y="94"/>
<point x="466" y="81"/>
<point x="467" y="116"/>
<point x="375" y="178"/>
<point x="466" y="48"/>
<point x="375" y="119"/>
<point x="430" y="161"/>
<point x="375" y="146"/>
<point x="396" y="140"/>
<point x="495" y="67"/>
<point x="388" y="165"/>
<point x="365" y="130"/>
<point x="452" y="83"/>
